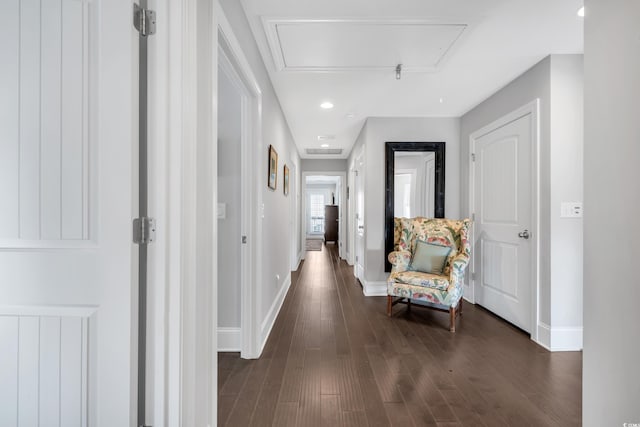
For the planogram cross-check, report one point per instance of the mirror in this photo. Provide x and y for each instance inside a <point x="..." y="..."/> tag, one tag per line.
<point x="414" y="184"/>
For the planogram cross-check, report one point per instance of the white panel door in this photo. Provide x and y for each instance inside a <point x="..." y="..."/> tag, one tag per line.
<point x="66" y="190"/>
<point x="502" y="206"/>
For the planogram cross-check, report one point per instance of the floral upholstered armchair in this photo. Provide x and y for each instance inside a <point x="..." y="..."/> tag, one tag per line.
<point x="428" y="263"/>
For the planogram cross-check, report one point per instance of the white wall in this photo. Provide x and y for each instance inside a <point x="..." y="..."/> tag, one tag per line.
<point x="375" y="133"/>
<point x="229" y="192"/>
<point x="276" y="228"/>
<point x="557" y="81"/>
<point x="611" y="373"/>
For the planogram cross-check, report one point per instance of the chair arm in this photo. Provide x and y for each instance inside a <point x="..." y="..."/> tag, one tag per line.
<point x="400" y="260"/>
<point x="458" y="265"/>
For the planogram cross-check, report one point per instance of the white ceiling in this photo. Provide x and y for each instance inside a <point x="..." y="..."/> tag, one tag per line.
<point x="455" y="53"/>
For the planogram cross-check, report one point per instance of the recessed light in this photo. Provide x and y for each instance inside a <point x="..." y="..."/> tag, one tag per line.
<point x="326" y="105"/>
<point x="350" y="116"/>
<point x="441" y="100"/>
<point x="324" y="145"/>
<point x="581" y="12"/>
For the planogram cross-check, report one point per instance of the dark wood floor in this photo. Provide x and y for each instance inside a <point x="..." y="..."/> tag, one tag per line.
<point x="335" y="359"/>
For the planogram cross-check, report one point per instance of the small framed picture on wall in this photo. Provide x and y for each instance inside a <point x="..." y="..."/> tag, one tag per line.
<point x="286" y="180"/>
<point x="272" y="179"/>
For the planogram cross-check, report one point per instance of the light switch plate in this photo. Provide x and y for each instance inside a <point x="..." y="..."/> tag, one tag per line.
<point x="571" y="210"/>
<point x="222" y="210"/>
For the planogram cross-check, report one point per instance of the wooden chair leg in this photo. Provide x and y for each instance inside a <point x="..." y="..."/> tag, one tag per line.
<point x="452" y="319"/>
<point x="389" y="305"/>
<point x="408" y="305"/>
<point x="460" y="307"/>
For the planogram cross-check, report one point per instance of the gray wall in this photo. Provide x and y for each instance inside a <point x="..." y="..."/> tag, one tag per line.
<point x="566" y="178"/>
<point x="557" y="81"/>
<point x="277" y="226"/>
<point x="379" y="130"/>
<point x="229" y="115"/>
<point x="535" y="83"/>
<point x="611" y="372"/>
<point x="324" y="165"/>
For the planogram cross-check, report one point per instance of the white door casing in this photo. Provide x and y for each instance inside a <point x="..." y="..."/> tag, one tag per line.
<point x="359" y="219"/>
<point x="504" y="203"/>
<point x="251" y="124"/>
<point x="67" y="264"/>
<point x="294" y="218"/>
<point x="351" y="217"/>
<point x="341" y="198"/>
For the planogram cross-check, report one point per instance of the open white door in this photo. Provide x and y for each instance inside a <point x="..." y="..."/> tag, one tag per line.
<point x="67" y="263"/>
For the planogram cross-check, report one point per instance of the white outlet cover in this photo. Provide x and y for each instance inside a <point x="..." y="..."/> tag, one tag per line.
<point x="571" y="210"/>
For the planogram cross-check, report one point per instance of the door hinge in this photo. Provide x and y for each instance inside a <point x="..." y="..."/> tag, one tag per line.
<point x="473" y="157"/>
<point x="144" y="230"/>
<point x="244" y="239"/>
<point x="473" y="276"/>
<point x="144" y="20"/>
<point x="473" y="217"/>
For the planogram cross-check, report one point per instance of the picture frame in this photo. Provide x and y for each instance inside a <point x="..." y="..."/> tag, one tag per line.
<point x="272" y="177"/>
<point x="285" y="181"/>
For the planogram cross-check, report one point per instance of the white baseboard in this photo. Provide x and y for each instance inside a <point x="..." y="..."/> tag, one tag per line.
<point x="559" y="338"/>
<point x="229" y="339"/>
<point x="270" y="318"/>
<point x="300" y="258"/>
<point x="544" y="335"/>
<point x="566" y="338"/>
<point x="374" y="289"/>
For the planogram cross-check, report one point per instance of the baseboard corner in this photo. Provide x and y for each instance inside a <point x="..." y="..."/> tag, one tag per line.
<point x="374" y="289"/>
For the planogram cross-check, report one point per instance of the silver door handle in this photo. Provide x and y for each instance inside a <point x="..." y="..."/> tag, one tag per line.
<point x="524" y="234"/>
<point x="361" y="227"/>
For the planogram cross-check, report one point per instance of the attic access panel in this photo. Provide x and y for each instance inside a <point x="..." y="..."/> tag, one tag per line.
<point x="339" y="45"/>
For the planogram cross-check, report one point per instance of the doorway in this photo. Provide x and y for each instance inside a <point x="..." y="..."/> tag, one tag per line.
<point x="504" y="204"/>
<point x="238" y="198"/>
<point x="322" y="189"/>
<point x="231" y="264"/>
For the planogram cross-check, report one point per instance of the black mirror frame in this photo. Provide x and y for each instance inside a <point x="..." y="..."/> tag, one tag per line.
<point x="390" y="148"/>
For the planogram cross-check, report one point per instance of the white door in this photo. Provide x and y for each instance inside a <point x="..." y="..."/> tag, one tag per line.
<point x="503" y="220"/>
<point x="67" y="261"/>
<point x="359" y="220"/>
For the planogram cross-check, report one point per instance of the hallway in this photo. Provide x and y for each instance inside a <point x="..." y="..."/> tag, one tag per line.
<point x="335" y="359"/>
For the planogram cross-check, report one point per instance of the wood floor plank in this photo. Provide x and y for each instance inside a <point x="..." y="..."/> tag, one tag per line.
<point x="335" y="358"/>
<point x="416" y="407"/>
<point x="309" y="408"/>
<point x="350" y="397"/>
<point x="329" y="410"/>
<point x="352" y="419"/>
<point x="286" y="415"/>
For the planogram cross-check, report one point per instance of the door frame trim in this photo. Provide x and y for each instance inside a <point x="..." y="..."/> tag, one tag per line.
<point x="343" y="203"/>
<point x="532" y="108"/>
<point x="251" y="141"/>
